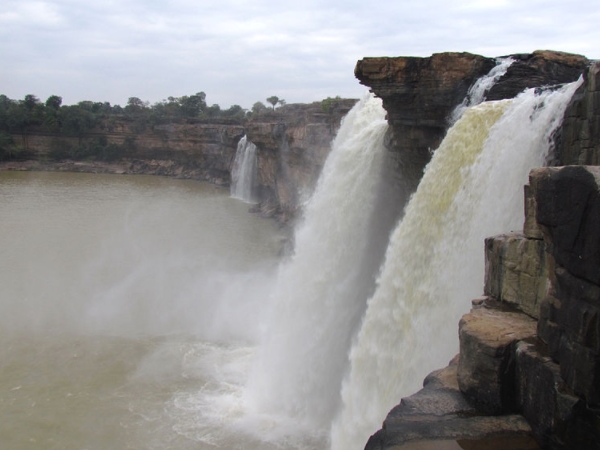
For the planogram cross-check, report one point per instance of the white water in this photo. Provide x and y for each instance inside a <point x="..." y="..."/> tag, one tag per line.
<point x="321" y="291"/>
<point x="480" y="88"/>
<point x="244" y="172"/>
<point x="472" y="188"/>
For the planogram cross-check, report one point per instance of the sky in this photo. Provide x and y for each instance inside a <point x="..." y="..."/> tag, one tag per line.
<point x="243" y="51"/>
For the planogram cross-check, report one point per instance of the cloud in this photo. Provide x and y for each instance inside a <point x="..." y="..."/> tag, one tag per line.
<point x="239" y="52"/>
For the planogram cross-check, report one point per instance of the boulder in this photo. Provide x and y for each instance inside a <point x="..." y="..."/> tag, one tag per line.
<point x="439" y="415"/>
<point x="486" y="370"/>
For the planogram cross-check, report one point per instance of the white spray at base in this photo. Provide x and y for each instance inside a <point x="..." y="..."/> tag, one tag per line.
<point x="244" y="171"/>
<point x="471" y="189"/>
<point x="320" y="292"/>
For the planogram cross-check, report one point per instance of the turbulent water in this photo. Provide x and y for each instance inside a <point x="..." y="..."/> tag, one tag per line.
<point x="320" y="293"/>
<point x="244" y="172"/>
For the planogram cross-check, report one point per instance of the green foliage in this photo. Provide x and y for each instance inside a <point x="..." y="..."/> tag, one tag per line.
<point x="259" y="108"/>
<point x="53" y="102"/>
<point x="329" y="103"/>
<point x="8" y="149"/>
<point x="77" y="120"/>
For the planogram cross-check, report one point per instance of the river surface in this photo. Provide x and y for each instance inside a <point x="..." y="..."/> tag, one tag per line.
<point x="129" y="311"/>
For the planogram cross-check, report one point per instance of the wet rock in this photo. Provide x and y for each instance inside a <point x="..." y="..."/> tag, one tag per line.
<point x="438" y="413"/>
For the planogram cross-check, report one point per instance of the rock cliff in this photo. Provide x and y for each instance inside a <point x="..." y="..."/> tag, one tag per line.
<point x="292" y="141"/>
<point x="420" y="93"/>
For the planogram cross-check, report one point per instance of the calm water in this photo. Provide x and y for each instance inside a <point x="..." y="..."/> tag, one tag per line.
<point x="129" y="311"/>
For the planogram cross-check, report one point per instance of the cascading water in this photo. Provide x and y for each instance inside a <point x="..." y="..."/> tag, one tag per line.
<point x="480" y="88"/>
<point x="320" y="292"/>
<point x="471" y="189"/>
<point x="243" y="171"/>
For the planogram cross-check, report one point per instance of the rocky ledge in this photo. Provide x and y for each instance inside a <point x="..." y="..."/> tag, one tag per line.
<point x="420" y="93"/>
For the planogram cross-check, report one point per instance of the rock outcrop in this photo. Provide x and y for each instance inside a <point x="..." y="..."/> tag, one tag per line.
<point x="420" y="93"/>
<point x="580" y="132"/>
<point x="292" y="147"/>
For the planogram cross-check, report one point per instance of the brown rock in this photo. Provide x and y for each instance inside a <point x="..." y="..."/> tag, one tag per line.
<point x="486" y="370"/>
<point x="516" y="271"/>
<point x="439" y="413"/>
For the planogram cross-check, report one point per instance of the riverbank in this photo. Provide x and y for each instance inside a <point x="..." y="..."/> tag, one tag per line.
<point x="121" y="167"/>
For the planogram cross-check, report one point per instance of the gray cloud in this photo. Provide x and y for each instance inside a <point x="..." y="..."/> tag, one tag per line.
<point x="239" y="52"/>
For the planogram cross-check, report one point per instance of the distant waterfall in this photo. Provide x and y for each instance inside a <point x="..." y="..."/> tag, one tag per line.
<point x="243" y="172"/>
<point x="320" y="293"/>
<point x="471" y="189"/>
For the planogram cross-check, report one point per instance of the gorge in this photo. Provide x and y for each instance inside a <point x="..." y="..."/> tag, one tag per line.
<point x="385" y="279"/>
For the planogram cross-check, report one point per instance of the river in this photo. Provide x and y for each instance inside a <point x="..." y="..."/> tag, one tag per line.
<point x="129" y="311"/>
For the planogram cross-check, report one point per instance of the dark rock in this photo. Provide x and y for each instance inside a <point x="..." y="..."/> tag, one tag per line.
<point x="438" y="413"/>
<point x="559" y="418"/>
<point x="418" y="95"/>
<point x="579" y="139"/>
<point x="540" y="68"/>
<point x="568" y="210"/>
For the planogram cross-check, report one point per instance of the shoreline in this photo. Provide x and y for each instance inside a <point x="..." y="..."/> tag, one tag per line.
<point x="166" y="168"/>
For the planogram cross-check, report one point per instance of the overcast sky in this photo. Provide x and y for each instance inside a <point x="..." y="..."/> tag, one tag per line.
<point x="243" y="51"/>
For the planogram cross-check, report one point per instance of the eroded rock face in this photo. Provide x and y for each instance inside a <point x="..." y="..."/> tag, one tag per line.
<point x="292" y="146"/>
<point x="538" y="69"/>
<point x="420" y="93"/>
<point x="579" y="141"/>
<point x="568" y="211"/>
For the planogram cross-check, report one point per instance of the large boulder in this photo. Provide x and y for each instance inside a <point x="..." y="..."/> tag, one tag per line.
<point x="486" y="370"/>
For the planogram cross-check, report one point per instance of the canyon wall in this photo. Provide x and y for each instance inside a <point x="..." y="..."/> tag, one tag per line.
<point x="293" y="142"/>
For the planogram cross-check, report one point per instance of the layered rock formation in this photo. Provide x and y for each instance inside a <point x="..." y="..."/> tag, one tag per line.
<point x="293" y="143"/>
<point x="291" y="148"/>
<point x="420" y="93"/>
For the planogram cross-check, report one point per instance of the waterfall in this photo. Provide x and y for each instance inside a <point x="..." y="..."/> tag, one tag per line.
<point x="320" y="292"/>
<point x="480" y="88"/>
<point x="471" y="189"/>
<point x="243" y="172"/>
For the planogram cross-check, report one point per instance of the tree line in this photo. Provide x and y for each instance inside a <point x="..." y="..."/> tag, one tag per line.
<point x="52" y="116"/>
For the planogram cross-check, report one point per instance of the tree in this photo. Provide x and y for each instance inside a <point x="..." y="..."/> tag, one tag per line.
<point x="259" y="108"/>
<point x="53" y="102"/>
<point x="193" y="105"/>
<point x="30" y="102"/>
<point x="273" y="101"/>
